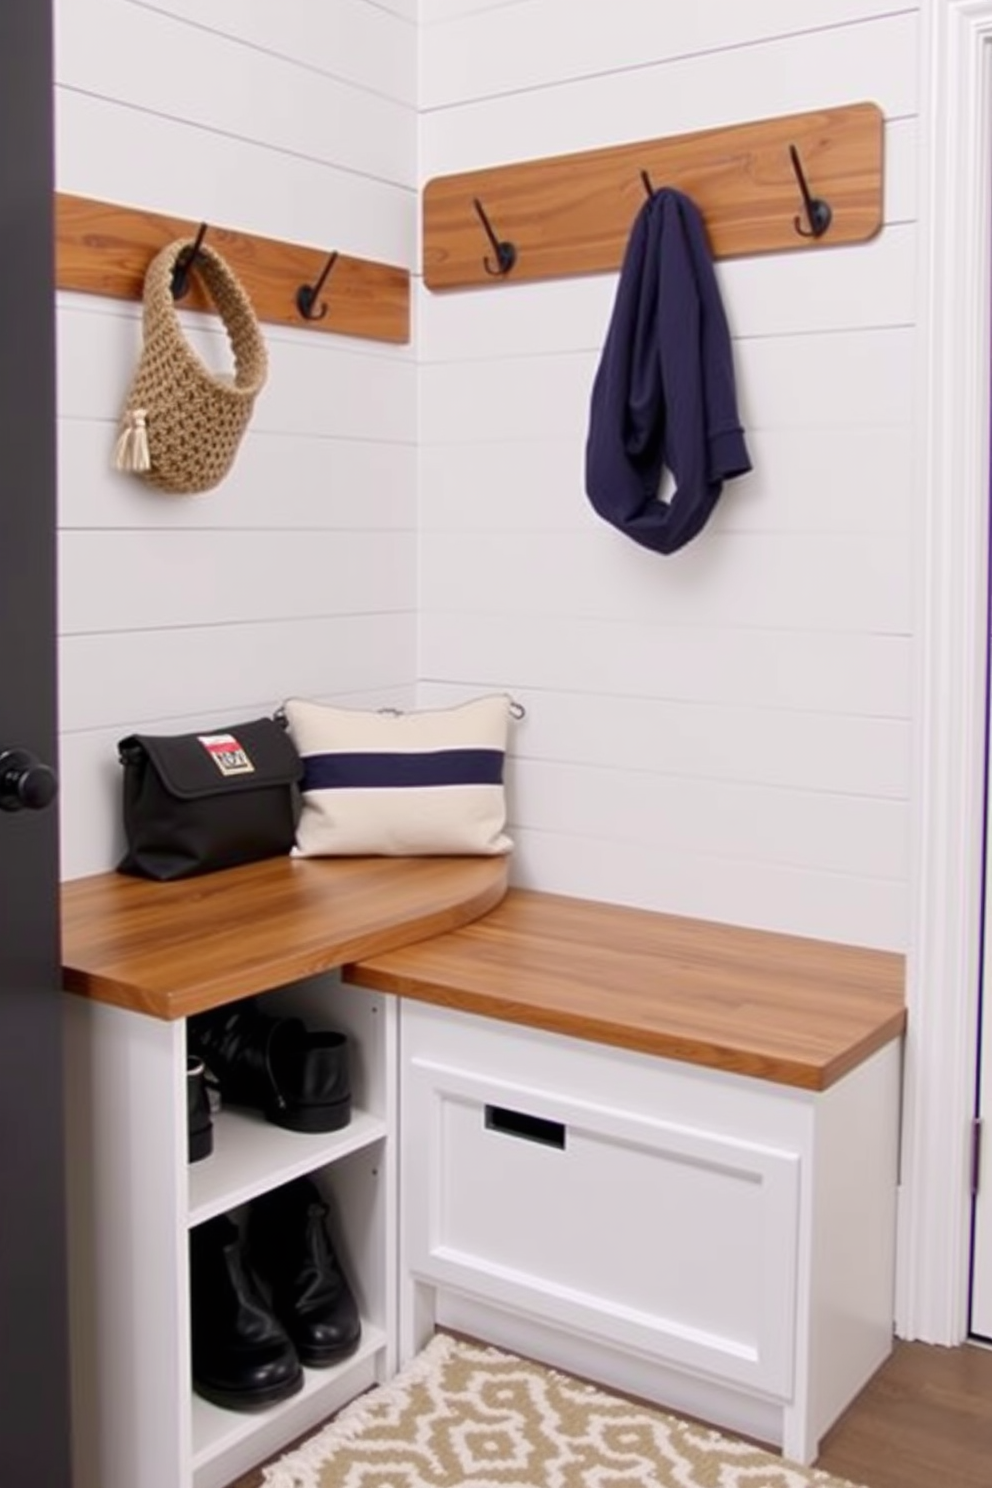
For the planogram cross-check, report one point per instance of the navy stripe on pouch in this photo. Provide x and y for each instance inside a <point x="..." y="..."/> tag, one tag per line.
<point x="377" y="771"/>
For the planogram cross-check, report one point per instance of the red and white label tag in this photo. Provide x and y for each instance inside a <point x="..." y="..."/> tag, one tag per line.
<point x="227" y="754"/>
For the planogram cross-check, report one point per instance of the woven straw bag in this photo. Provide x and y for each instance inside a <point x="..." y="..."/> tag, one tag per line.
<point x="182" y="424"/>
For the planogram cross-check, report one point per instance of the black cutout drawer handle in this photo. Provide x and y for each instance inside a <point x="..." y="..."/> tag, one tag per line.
<point x="530" y="1128"/>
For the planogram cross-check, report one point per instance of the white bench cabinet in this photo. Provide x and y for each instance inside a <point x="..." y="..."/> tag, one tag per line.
<point x="718" y="1244"/>
<point x="658" y="1152"/>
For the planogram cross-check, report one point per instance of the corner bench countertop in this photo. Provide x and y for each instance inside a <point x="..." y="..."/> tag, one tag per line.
<point x="447" y="931"/>
<point x="174" y="949"/>
<point x="776" y="1007"/>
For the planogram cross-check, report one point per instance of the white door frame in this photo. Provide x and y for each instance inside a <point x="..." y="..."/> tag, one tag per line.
<point x="952" y="573"/>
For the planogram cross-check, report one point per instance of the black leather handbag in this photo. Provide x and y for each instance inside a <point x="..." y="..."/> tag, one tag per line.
<point x="194" y="803"/>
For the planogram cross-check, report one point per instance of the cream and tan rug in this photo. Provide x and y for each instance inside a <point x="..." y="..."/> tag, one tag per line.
<point x="463" y="1415"/>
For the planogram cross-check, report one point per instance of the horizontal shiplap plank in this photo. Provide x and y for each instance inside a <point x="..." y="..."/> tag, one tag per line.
<point x="856" y="835"/>
<point x="315" y="385"/>
<point x="103" y="151"/>
<point x="91" y="824"/>
<point x="117" y="335"/>
<point x="849" y="908"/>
<point x="407" y="10"/>
<point x="760" y="16"/>
<point x="361" y="43"/>
<point x="90" y="802"/>
<point x="434" y="12"/>
<point x="149" y="579"/>
<point x="224" y="87"/>
<point x="806" y="751"/>
<point x="861" y="379"/>
<point x="828" y="671"/>
<point x="128" y="678"/>
<point x="872" y="62"/>
<point x="824" y="582"/>
<point x="280" y="481"/>
<point x="863" y="286"/>
<point x="539" y="485"/>
<point x="902" y="155"/>
<point x="858" y="379"/>
<point x="479" y="50"/>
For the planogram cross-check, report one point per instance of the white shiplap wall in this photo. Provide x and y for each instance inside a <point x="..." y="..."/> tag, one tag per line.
<point x="297" y="574"/>
<point x="726" y="732"/>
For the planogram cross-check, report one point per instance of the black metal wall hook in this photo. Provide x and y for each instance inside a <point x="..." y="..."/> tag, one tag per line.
<point x="506" y="253"/>
<point x="306" y="295"/>
<point x="183" y="264"/>
<point x="648" y="188"/>
<point x="818" y="212"/>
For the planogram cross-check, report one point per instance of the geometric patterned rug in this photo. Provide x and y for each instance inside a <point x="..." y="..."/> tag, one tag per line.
<point x="464" y="1415"/>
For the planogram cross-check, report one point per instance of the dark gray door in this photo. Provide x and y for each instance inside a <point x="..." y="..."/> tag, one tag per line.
<point x="34" y="1425"/>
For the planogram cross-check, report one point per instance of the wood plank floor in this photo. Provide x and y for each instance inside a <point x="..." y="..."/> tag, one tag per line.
<point x="924" y="1421"/>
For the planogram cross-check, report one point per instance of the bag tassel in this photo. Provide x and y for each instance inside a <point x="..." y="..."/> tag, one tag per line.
<point x="131" y="452"/>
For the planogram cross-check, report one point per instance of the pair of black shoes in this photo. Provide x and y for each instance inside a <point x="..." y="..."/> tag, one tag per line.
<point x="269" y="1302"/>
<point x="298" y="1078"/>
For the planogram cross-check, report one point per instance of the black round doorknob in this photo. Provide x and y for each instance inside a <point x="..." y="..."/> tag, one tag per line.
<point x="25" y="783"/>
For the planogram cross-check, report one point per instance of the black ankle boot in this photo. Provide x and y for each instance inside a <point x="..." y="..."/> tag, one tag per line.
<point x="243" y="1357"/>
<point x="288" y="1242"/>
<point x="298" y="1079"/>
<point x="199" y="1122"/>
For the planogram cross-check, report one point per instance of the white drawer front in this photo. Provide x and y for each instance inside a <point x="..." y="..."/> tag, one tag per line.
<point x="661" y="1237"/>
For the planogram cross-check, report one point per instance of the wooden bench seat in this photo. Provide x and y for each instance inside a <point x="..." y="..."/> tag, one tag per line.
<point x="174" y="949"/>
<point x="781" y="1008"/>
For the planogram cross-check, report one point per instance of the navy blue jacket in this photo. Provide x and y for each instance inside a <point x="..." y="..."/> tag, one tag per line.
<point x="664" y="391"/>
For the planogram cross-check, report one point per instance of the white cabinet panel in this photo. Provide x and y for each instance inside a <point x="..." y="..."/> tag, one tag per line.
<point x="669" y="1238"/>
<point x="737" y="1234"/>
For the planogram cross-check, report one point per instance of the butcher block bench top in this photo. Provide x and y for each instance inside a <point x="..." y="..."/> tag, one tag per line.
<point x="447" y="931"/>
<point x="776" y="1007"/>
<point x="173" y="949"/>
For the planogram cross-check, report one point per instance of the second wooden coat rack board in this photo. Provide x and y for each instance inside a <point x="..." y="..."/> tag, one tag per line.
<point x="103" y="248"/>
<point x="801" y="181"/>
<point x="761" y="187"/>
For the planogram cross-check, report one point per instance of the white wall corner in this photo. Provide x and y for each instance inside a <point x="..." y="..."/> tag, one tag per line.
<point x="944" y="949"/>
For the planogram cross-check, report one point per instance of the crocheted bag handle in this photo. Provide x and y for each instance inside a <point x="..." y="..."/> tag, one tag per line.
<point x="182" y="423"/>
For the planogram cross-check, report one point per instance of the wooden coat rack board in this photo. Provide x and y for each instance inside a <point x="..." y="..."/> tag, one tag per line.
<point x="572" y="214"/>
<point x="105" y="249"/>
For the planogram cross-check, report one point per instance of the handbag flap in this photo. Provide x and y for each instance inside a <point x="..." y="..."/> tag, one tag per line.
<point x="244" y="757"/>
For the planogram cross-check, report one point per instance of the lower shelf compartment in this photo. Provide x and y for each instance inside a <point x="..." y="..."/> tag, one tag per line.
<point x="228" y="1443"/>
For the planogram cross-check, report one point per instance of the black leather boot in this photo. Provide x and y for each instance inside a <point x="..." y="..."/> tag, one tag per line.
<point x="243" y="1358"/>
<point x="289" y="1244"/>
<point x="200" y="1126"/>
<point x="298" y="1079"/>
